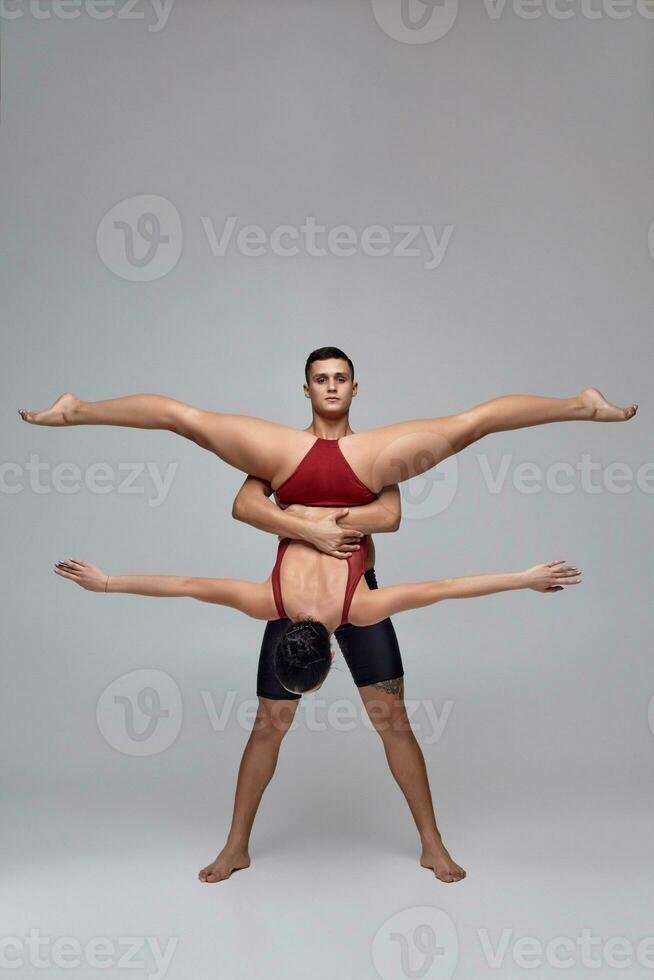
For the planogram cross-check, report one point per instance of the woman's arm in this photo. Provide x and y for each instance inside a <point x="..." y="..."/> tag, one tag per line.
<point x="374" y="605"/>
<point x="251" y="598"/>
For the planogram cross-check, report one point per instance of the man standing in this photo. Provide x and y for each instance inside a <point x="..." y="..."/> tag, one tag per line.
<point x="372" y="652"/>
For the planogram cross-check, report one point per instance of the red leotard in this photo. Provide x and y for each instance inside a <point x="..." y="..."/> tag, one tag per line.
<point x="355" y="568"/>
<point x="324" y="478"/>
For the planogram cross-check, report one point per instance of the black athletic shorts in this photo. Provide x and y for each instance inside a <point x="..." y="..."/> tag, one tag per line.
<point x="372" y="653"/>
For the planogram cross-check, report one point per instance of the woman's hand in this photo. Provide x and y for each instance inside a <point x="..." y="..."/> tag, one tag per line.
<point x="552" y="576"/>
<point x="86" y="575"/>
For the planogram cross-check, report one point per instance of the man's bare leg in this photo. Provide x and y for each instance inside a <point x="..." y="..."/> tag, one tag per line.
<point x="258" y="764"/>
<point x="385" y="706"/>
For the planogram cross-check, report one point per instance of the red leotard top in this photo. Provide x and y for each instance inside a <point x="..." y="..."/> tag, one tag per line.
<point x="355" y="568"/>
<point x="324" y="478"/>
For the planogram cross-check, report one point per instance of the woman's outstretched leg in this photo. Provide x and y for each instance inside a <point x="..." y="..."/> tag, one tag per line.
<point x="135" y="411"/>
<point x="381" y="457"/>
<point x="521" y="411"/>
<point x="255" y="446"/>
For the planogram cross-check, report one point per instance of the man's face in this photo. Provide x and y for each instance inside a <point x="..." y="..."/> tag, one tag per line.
<point x="330" y="387"/>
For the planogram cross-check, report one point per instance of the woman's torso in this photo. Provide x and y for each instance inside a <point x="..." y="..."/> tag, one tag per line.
<point x="307" y="582"/>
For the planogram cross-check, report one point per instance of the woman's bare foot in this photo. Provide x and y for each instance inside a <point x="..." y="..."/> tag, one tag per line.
<point x="60" y="413"/>
<point x="230" y="859"/>
<point x="436" y="857"/>
<point x="600" y="410"/>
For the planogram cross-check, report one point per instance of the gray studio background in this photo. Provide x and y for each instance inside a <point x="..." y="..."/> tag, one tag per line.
<point x="532" y="139"/>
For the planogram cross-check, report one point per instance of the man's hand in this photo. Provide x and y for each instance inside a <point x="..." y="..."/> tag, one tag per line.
<point x="324" y="533"/>
<point x="552" y="576"/>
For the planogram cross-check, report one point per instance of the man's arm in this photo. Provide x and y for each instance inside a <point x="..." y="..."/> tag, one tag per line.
<point x="334" y="530"/>
<point x="253" y="505"/>
<point x="374" y="605"/>
<point x="382" y="515"/>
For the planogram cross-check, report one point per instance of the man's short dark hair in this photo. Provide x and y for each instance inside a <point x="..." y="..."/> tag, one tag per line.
<point x="323" y="354"/>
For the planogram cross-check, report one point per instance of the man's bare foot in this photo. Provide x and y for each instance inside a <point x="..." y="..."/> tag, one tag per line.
<point x="600" y="410"/>
<point x="60" y="413"/>
<point x="436" y="857"/>
<point x="230" y="859"/>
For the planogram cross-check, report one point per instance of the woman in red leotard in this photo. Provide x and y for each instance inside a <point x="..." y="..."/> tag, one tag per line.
<point x="309" y="587"/>
<point x="359" y="464"/>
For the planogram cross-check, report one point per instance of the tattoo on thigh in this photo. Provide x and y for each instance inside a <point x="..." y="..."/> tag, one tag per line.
<point x="393" y="686"/>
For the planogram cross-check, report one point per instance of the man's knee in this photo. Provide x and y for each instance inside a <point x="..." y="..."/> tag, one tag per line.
<point x="390" y="723"/>
<point x="385" y="707"/>
<point x="273" y="718"/>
